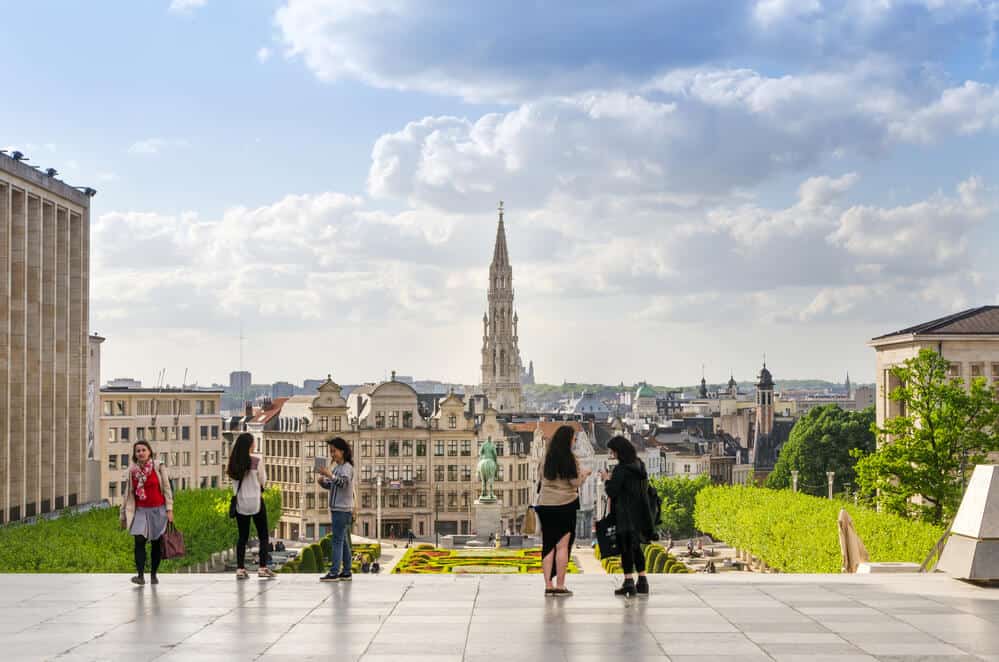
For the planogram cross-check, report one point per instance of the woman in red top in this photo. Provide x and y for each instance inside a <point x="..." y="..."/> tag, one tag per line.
<point x="147" y="509"/>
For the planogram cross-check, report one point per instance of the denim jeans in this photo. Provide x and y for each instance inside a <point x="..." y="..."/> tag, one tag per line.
<point x="340" y="551"/>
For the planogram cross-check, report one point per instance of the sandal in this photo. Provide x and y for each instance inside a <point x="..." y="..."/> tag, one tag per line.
<point x="242" y="574"/>
<point x="561" y="592"/>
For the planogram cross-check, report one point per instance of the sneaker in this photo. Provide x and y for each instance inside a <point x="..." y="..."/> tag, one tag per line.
<point x="266" y="573"/>
<point x="241" y="573"/>
<point x="345" y="577"/>
<point x="139" y="579"/>
<point x="154" y="580"/>
<point x="561" y="592"/>
<point x="329" y="577"/>
<point x="550" y="591"/>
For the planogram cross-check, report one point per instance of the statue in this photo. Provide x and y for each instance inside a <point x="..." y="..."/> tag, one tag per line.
<point x="487" y="470"/>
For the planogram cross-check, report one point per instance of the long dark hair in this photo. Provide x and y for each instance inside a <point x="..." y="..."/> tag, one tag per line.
<point x="239" y="457"/>
<point x="624" y="450"/>
<point x="339" y="442"/>
<point x="559" y="460"/>
<point x="152" y="456"/>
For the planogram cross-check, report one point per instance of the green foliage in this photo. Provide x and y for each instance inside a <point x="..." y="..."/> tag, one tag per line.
<point x="799" y="533"/>
<point x="822" y="440"/>
<point x="308" y="561"/>
<point x="678" y="494"/>
<point x="437" y="561"/>
<point x="945" y="430"/>
<point x="94" y="541"/>
<point x="327" y="546"/>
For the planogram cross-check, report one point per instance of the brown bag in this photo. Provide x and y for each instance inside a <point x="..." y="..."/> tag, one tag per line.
<point x="173" y="542"/>
<point x="530" y="522"/>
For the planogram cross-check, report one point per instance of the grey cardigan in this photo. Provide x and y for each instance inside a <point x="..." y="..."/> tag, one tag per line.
<point x="341" y="487"/>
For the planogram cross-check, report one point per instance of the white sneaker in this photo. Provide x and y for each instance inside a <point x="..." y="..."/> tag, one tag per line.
<point x="266" y="573"/>
<point x="242" y="574"/>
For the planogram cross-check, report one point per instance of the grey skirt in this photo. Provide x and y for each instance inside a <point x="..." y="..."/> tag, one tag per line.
<point x="150" y="523"/>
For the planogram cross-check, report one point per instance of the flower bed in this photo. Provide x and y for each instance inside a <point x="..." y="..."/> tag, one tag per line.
<point x="316" y="557"/>
<point x="657" y="561"/>
<point x="421" y="560"/>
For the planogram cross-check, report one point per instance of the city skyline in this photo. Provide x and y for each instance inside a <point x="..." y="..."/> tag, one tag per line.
<point x="685" y="185"/>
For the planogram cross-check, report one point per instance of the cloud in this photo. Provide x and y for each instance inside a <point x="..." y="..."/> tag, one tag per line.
<point x="154" y="146"/>
<point x="264" y="54"/>
<point x="516" y="52"/>
<point x="186" y="6"/>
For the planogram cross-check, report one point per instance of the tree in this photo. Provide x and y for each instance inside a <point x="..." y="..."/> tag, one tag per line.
<point x="924" y="455"/>
<point x="822" y="440"/>
<point x="678" y="494"/>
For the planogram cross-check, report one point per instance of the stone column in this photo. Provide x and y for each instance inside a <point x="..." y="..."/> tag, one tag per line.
<point x="61" y="367"/>
<point x="33" y="374"/>
<point x="77" y="375"/>
<point x="16" y="407"/>
<point x="47" y="413"/>
<point x="4" y="346"/>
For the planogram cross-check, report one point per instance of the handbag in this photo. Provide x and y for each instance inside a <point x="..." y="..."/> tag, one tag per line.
<point x="530" y="522"/>
<point x="607" y="538"/>
<point x="233" y="501"/>
<point x="173" y="542"/>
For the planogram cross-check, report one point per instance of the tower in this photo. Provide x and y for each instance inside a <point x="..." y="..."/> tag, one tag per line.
<point x="703" y="391"/>
<point x="733" y="386"/>
<point x="501" y="365"/>
<point x="764" y="403"/>
<point x="847" y="385"/>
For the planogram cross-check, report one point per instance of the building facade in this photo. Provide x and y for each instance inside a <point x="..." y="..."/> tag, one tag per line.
<point x="93" y="461"/>
<point x="501" y="364"/>
<point x="44" y="312"/>
<point x="182" y="426"/>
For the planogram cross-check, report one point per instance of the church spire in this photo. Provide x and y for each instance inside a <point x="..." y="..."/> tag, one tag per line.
<point x="500" y="256"/>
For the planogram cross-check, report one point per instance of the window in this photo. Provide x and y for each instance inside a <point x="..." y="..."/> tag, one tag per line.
<point x="452" y="472"/>
<point x="152" y="434"/>
<point x="407" y="448"/>
<point x="407" y="500"/>
<point x="393" y="501"/>
<point x="466" y="448"/>
<point x="466" y="473"/>
<point x="336" y="424"/>
<point x="121" y="487"/>
<point x="995" y="372"/>
<point x="204" y="430"/>
<point x="112" y="488"/>
<point x="421" y="472"/>
<point x="204" y="458"/>
<point x="310" y="500"/>
<point x="120" y="408"/>
<point x="977" y="370"/>
<point x="310" y="448"/>
<point x="421" y="449"/>
<point x="163" y="433"/>
<point x="438" y="449"/>
<point x="215" y="430"/>
<point x="142" y="408"/>
<point x="185" y="433"/>
<point x="407" y="472"/>
<point x="499" y="472"/>
<point x="175" y="459"/>
<point x="452" y="500"/>
<point x="215" y="481"/>
<point x="499" y="449"/>
<point x="324" y="424"/>
<point x="439" y="473"/>
<point x="393" y="419"/>
<point x="140" y="434"/>
<point x="112" y="461"/>
<point x="421" y="502"/>
<point x="215" y="457"/>
<point x="187" y="458"/>
<point x="954" y="370"/>
<point x="366" y="472"/>
<point x="380" y="419"/>
<point x="184" y="408"/>
<point x="209" y="406"/>
<point x="163" y="458"/>
<point x="365" y="500"/>
<point x="108" y="408"/>
<point x="393" y="447"/>
<point x="686" y="468"/>
<point x="407" y="419"/>
<point x="452" y="421"/>
<point x="464" y="500"/>
<point x="452" y="448"/>
<point x="393" y="472"/>
<point x="438" y="501"/>
<point x="380" y="448"/>
<point x="365" y="449"/>
<point x="199" y="407"/>
<point x="112" y="434"/>
<point x="204" y="482"/>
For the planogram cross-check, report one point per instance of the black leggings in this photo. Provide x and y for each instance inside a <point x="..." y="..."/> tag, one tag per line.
<point x="631" y="553"/>
<point x="243" y="525"/>
<point x="140" y="555"/>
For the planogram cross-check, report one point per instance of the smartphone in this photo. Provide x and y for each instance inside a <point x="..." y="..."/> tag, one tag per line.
<point x="319" y="463"/>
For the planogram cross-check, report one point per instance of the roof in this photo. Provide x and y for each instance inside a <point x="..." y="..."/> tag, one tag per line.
<point x="645" y="391"/>
<point x="165" y="390"/>
<point x="983" y="320"/>
<point x="268" y="414"/>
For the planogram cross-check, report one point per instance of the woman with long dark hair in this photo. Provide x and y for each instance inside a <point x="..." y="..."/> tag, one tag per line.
<point x="340" y="482"/>
<point x="249" y="478"/>
<point x="147" y="507"/>
<point x="627" y="487"/>
<point x="558" y="501"/>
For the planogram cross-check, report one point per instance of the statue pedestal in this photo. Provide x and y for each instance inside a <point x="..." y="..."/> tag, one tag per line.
<point x="486" y="519"/>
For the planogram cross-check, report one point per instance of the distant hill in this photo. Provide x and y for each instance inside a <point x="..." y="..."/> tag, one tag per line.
<point x="556" y="391"/>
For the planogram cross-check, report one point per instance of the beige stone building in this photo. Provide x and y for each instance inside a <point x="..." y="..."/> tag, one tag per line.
<point x="45" y="256"/>
<point x="183" y="427"/>
<point x="969" y="340"/>
<point x="93" y="462"/>
<point x="424" y="450"/>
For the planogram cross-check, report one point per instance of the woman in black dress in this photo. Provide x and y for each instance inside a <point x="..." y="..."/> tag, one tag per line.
<point x="627" y="488"/>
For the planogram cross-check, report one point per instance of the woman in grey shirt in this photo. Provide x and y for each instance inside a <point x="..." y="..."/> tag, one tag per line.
<point x="340" y="482"/>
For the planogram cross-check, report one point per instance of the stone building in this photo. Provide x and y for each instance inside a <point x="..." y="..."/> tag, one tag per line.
<point x="501" y="364"/>
<point x="181" y="425"/>
<point x="93" y="461"/>
<point x="44" y="312"/>
<point x="969" y="340"/>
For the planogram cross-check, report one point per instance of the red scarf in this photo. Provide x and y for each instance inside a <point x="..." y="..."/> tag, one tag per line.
<point x="140" y="473"/>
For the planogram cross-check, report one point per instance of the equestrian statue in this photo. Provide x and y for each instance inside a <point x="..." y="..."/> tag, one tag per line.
<point x="487" y="470"/>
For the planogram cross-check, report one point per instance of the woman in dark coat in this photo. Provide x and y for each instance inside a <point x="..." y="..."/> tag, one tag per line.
<point x="627" y="488"/>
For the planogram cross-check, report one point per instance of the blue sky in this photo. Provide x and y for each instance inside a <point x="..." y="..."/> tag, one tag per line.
<point x="687" y="182"/>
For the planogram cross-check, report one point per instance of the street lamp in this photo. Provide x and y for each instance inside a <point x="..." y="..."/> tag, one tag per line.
<point x="437" y="520"/>
<point x="378" y="510"/>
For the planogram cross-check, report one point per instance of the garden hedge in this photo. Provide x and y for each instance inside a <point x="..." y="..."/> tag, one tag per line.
<point x="799" y="533"/>
<point x="94" y="542"/>
<point x="436" y="561"/>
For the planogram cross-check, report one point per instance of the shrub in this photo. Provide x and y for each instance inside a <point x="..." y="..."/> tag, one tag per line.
<point x="94" y="542"/>
<point x="798" y="533"/>
<point x="661" y="563"/>
<point x="327" y="547"/>
<point x="308" y="561"/>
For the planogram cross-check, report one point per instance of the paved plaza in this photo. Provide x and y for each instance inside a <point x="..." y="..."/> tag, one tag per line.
<point x="737" y="616"/>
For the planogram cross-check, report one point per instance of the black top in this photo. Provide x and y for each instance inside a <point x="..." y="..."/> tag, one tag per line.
<point x="629" y="500"/>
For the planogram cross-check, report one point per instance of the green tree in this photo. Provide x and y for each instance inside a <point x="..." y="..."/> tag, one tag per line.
<point x="821" y="441"/>
<point x="678" y="494"/>
<point x="924" y="455"/>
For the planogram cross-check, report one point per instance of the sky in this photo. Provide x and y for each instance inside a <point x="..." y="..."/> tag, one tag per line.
<point x="687" y="183"/>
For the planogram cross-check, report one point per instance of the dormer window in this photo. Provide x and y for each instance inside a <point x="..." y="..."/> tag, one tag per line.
<point x="452" y="422"/>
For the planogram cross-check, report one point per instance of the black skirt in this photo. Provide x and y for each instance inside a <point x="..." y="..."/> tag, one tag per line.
<point x="556" y="521"/>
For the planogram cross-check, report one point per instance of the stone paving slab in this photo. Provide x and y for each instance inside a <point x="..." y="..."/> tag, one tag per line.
<point x="731" y="617"/>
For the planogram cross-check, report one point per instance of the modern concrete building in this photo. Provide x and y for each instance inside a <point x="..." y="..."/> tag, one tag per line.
<point x="968" y="339"/>
<point x="182" y="426"/>
<point x="93" y="466"/>
<point x="44" y="311"/>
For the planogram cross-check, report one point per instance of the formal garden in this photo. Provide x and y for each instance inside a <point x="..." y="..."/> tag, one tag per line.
<point x="315" y="558"/>
<point x="425" y="559"/>
<point x="94" y="541"/>
<point x="658" y="561"/>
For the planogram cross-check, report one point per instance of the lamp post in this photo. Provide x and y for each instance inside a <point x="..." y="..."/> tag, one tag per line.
<point x="437" y="520"/>
<point x="378" y="510"/>
<point x="794" y="481"/>
<point x="830" y="476"/>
